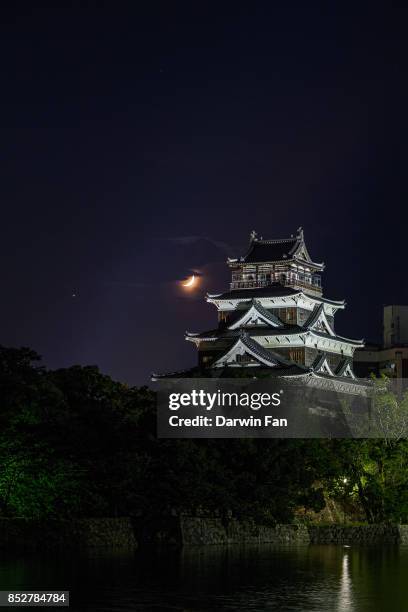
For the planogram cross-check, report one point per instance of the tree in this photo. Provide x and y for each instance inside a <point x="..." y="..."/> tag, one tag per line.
<point x="34" y="481"/>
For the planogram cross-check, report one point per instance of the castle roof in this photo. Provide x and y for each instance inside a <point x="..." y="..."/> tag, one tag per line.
<point x="252" y="331"/>
<point x="266" y="355"/>
<point x="272" y="290"/>
<point x="285" y="330"/>
<point x="244" y="343"/>
<point x="256" y="312"/>
<point x="276" y="250"/>
<point x="270" y="250"/>
<point x="229" y="371"/>
<point x="345" y="368"/>
<point x="258" y="321"/>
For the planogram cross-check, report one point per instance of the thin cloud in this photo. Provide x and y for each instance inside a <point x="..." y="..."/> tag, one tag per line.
<point x="188" y="240"/>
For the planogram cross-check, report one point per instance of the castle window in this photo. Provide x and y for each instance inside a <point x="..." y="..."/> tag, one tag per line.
<point x="245" y="358"/>
<point x="297" y="355"/>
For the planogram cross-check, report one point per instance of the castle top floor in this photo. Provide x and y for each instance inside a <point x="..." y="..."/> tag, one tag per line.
<point x="285" y="261"/>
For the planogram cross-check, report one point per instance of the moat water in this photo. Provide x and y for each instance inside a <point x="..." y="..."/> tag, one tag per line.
<point x="312" y="578"/>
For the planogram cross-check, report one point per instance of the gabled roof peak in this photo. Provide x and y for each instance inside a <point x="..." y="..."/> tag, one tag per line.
<point x="256" y="314"/>
<point x="246" y="344"/>
<point x="317" y="320"/>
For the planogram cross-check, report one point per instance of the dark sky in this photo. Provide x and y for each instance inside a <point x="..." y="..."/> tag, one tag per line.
<point x="142" y="140"/>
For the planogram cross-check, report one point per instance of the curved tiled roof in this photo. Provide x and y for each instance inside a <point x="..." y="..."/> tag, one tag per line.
<point x="267" y="355"/>
<point x="272" y="290"/>
<point x="260" y="330"/>
<point x="271" y="250"/>
<point x="264" y="356"/>
<point x="314" y="316"/>
<point x="319" y="361"/>
<point x="267" y="314"/>
<point x="341" y="368"/>
<point x="287" y="330"/>
<point x="256" y="307"/>
<point x="280" y="249"/>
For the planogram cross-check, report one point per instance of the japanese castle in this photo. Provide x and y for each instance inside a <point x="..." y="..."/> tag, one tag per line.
<point x="274" y="320"/>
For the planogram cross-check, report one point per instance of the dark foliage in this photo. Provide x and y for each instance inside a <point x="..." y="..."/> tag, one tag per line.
<point x="73" y="442"/>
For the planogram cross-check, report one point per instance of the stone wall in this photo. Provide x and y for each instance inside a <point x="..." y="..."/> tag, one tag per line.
<point x="403" y="534"/>
<point x="122" y="533"/>
<point x="354" y="534"/>
<point x="105" y="532"/>
<point x="205" y="531"/>
<point x="115" y="533"/>
<point x="201" y="531"/>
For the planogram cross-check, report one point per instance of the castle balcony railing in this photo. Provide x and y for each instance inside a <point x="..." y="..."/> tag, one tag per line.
<point x="256" y="284"/>
<point x="303" y="284"/>
<point x="252" y="284"/>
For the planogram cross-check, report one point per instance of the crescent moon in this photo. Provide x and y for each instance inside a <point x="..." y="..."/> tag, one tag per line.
<point x="190" y="282"/>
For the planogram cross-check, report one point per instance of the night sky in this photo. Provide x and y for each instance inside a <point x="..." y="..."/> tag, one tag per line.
<point x="140" y="141"/>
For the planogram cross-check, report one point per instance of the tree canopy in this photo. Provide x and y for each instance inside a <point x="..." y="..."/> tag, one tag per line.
<point x="74" y="442"/>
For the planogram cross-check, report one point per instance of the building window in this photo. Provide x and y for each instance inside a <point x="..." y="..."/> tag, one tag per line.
<point x="245" y="358"/>
<point x="297" y="355"/>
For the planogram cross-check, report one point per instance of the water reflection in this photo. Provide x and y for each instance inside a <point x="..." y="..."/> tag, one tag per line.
<point x="345" y="602"/>
<point x="251" y="579"/>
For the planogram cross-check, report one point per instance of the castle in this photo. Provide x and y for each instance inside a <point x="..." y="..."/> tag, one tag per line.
<point x="274" y="321"/>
